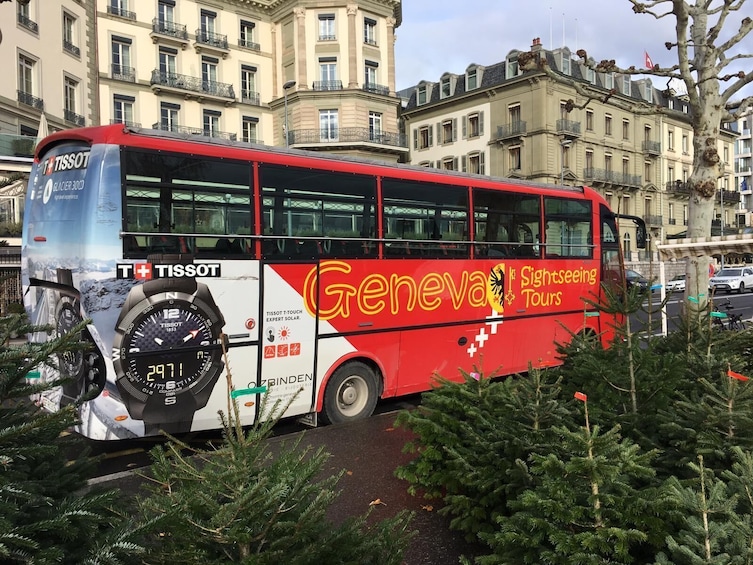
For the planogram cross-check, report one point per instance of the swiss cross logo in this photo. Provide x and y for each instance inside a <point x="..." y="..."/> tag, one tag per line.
<point x="49" y="166"/>
<point x="143" y="271"/>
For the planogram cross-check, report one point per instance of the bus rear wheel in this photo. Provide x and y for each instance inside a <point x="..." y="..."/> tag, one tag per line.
<point x="351" y="394"/>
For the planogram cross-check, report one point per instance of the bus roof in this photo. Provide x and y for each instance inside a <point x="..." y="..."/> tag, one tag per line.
<point x="120" y="134"/>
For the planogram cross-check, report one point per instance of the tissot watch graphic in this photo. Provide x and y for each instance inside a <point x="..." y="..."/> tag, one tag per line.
<point x="167" y="352"/>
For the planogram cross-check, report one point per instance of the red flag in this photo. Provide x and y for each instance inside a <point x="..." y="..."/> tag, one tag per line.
<point x="733" y="375"/>
<point x="649" y="62"/>
<point x="580" y="396"/>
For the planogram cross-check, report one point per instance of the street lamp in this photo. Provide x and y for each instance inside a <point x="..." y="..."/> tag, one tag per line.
<point x="285" y="87"/>
<point x="564" y="144"/>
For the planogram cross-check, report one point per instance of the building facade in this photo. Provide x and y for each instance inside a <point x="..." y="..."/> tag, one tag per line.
<point x="743" y="171"/>
<point x="244" y="70"/>
<point x="499" y="121"/>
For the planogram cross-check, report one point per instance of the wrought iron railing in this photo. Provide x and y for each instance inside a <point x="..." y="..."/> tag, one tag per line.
<point x="30" y="100"/>
<point x="678" y="187"/>
<point x="327" y="37"/>
<point x="71" y="48"/>
<point x="74" y="118"/>
<point x="120" y="72"/>
<point x="568" y="127"/>
<point x="28" y="23"/>
<point x="653" y="147"/>
<point x="328" y="85"/>
<point x="172" y="29"/>
<point x="115" y="11"/>
<point x="249" y="44"/>
<point x="217" y="40"/>
<point x="376" y="88"/>
<point x="195" y="131"/>
<point x="728" y="196"/>
<point x="250" y="97"/>
<point x="128" y="123"/>
<point x="347" y="135"/>
<point x="512" y="129"/>
<point x="612" y="177"/>
<point x="193" y="84"/>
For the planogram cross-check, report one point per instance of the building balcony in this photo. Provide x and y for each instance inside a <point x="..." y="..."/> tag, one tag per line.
<point x="651" y="147"/>
<point x="653" y="221"/>
<point x="347" y="135"/>
<point x="121" y="13"/>
<point x="189" y="86"/>
<point x="248" y="44"/>
<point x="728" y="196"/>
<point x="607" y="177"/>
<point x="678" y="188"/>
<point x="195" y="131"/>
<point x="511" y="130"/>
<point x="209" y="41"/>
<point x="126" y="123"/>
<point x="120" y="72"/>
<point x="250" y="97"/>
<point x="30" y="100"/>
<point x="328" y="85"/>
<point x="568" y="128"/>
<point x="376" y="88"/>
<point x="73" y="118"/>
<point x="29" y="24"/>
<point x="169" y="32"/>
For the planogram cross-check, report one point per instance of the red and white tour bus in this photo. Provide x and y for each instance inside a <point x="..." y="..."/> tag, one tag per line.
<point x="333" y="280"/>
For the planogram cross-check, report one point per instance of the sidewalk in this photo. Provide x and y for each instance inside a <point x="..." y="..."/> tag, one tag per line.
<point x="369" y="451"/>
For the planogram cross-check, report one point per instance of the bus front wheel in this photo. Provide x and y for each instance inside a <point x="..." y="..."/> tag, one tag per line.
<point x="351" y="394"/>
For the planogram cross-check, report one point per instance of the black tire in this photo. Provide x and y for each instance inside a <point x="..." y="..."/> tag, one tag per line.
<point x="351" y="394"/>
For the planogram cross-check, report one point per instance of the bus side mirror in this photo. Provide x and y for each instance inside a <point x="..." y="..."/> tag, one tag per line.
<point x="640" y="235"/>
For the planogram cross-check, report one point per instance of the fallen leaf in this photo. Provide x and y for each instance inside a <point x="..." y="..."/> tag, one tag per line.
<point x="376" y="502"/>
<point x="348" y="472"/>
<point x="427" y="507"/>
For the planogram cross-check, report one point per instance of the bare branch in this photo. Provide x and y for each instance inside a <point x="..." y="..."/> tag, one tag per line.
<point x="723" y="11"/>
<point x="647" y="8"/>
<point x="746" y="25"/>
<point x="737" y="86"/>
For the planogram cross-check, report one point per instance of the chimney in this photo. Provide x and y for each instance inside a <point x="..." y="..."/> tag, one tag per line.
<point x="536" y="45"/>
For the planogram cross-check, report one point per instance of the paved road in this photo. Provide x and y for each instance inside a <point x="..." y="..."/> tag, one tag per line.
<point x="369" y="451"/>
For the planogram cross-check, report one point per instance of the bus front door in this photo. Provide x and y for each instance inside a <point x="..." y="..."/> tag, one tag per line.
<point x="288" y="338"/>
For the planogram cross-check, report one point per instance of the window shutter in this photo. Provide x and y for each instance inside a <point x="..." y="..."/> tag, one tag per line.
<point x="440" y="134"/>
<point x="454" y="129"/>
<point x="481" y="123"/>
<point x="415" y="139"/>
<point x="481" y="169"/>
<point x="464" y="162"/>
<point x="465" y="127"/>
<point x="454" y="163"/>
<point x="431" y="136"/>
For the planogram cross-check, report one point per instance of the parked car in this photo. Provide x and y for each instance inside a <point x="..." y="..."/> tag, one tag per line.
<point x="634" y="278"/>
<point x="732" y="278"/>
<point x="677" y="284"/>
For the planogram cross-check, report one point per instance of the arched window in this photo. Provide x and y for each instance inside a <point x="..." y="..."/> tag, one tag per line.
<point x="626" y="246"/>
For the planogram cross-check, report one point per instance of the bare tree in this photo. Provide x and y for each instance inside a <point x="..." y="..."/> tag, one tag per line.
<point x="709" y="45"/>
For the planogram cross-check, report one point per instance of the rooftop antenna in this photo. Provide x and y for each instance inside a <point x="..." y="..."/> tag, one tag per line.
<point x="576" y="34"/>
<point x="563" y="29"/>
<point x="550" y="28"/>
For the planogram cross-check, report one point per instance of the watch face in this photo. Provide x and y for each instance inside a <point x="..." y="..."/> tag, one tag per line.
<point x="169" y="347"/>
<point x="70" y="362"/>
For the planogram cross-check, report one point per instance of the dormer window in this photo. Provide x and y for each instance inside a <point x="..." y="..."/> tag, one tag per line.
<point x="513" y="68"/>
<point x="472" y="78"/>
<point x="591" y="75"/>
<point x="565" y="62"/>
<point x="649" y="93"/>
<point x="609" y="81"/>
<point x="421" y="97"/>
<point x="626" y="85"/>
<point x="445" y="87"/>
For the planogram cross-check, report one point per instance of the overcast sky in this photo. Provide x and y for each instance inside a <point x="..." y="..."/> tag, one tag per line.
<point x="438" y="36"/>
